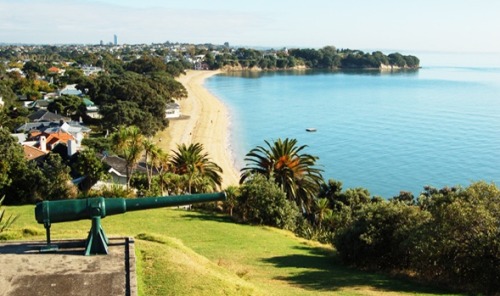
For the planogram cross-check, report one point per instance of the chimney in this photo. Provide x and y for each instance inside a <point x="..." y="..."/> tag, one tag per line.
<point x="71" y="147"/>
<point x="43" y="143"/>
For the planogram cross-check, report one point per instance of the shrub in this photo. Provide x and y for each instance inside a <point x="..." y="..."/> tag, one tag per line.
<point x="461" y="243"/>
<point x="5" y="224"/>
<point x="261" y="201"/>
<point x="379" y="236"/>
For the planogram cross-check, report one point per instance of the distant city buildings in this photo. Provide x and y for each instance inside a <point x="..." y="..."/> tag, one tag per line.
<point x="115" y="39"/>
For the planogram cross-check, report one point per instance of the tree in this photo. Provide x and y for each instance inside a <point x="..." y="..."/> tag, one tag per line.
<point x="134" y="99"/>
<point x="397" y="59"/>
<point x="284" y="163"/>
<point x="68" y="106"/>
<point x="32" y="67"/>
<point x="73" y="75"/>
<point x="162" y="165"/>
<point x="147" y="64"/>
<point x="195" y="164"/>
<point x="11" y="162"/>
<point x="380" y="235"/>
<point x="4" y="224"/>
<point x="89" y="166"/>
<point x="153" y="156"/>
<point x="321" y="206"/>
<point x="262" y="201"/>
<point x="127" y="143"/>
<point x="55" y="182"/>
<point x="460" y="243"/>
<point x="232" y="196"/>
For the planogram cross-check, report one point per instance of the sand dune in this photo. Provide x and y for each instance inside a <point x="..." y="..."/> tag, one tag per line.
<point x="207" y="123"/>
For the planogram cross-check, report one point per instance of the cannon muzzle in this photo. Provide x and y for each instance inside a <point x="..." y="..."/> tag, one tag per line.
<point x="48" y="212"/>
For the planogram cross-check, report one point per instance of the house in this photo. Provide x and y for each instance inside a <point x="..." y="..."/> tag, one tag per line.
<point x="117" y="170"/>
<point x="21" y="137"/>
<point x="90" y="70"/>
<point x="70" y="90"/>
<point x="48" y="141"/>
<point x="92" y="109"/>
<point x="38" y="104"/>
<point x="55" y="70"/>
<point x="74" y="128"/>
<point x="33" y="153"/>
<point x="173" y="110"/>
<point x="2" y="103"/>
<point x="44" y="115"/>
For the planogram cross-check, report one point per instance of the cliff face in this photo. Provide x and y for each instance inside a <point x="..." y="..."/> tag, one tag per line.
<point x="255" y="68"/>
<point x="385" y="67"/>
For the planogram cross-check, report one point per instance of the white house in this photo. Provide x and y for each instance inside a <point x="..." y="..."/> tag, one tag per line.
<point x="173" y="110"/>
<point x="90" y="70"/>
<point x="70" y="89"/>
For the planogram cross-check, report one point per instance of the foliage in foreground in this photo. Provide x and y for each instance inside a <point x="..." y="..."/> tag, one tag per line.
<point x="285" y="163"/>
<point x="4" y="224"/>
<point x="261" y="201"/>
<point x="449" y="236"/>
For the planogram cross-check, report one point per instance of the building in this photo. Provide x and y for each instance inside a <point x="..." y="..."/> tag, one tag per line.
<point x="70" y="90"/>
<point x="115" y="39"/>
<point x="91" y="70"/>
<point x="92" y="109"/>
<point x="173" y="110"/>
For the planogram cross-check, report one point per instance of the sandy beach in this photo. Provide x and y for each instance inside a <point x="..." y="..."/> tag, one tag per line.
<point x="207" y="123"/>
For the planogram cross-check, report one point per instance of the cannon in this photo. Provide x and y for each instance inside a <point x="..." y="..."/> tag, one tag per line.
<point x="48" y="212"/>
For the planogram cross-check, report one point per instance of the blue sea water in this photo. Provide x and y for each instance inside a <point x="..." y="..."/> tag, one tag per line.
<point x="387" y="132"/>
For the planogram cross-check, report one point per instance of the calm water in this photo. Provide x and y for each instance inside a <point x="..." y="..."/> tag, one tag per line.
<point x="437" y="126"/>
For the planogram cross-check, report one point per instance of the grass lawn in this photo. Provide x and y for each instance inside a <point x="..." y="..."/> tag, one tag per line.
<point x="183" y="252"/>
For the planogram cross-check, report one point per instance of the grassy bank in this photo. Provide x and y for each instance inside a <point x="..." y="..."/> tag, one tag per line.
<point x="190" y="253"/>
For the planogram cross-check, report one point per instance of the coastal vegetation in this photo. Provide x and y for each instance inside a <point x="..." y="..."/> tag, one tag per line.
<point x="327" y="57"/>
<point x="445" y="236"/>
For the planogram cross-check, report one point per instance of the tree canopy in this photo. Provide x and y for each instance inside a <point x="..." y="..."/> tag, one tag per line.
<point x="285" y="163"/>
<point x="134" y="99"/>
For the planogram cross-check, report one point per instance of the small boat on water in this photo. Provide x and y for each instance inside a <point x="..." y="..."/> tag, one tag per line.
<point x="311" y="129"/>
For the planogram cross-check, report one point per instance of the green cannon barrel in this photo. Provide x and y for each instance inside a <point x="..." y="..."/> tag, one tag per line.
<point x="73" y="210"/>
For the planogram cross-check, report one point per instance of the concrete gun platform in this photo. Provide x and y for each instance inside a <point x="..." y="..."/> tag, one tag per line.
<point x="67" y="272"/>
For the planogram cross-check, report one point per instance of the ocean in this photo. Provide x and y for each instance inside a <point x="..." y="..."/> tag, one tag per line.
<point x="386" y="132"/>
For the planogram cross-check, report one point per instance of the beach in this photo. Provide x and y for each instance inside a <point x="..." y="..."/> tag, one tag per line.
<point x="205" y="120"/>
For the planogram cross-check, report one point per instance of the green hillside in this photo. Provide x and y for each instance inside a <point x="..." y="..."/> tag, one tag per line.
<point x="183" y="252"/>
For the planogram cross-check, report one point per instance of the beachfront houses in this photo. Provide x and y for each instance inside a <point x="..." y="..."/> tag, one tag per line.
<point x="173" y="110"/>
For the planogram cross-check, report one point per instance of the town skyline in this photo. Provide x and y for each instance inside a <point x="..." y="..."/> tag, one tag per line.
<point x="444" y="26"/>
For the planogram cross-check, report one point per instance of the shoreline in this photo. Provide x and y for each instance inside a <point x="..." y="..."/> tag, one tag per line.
<point x="207" y="123"/>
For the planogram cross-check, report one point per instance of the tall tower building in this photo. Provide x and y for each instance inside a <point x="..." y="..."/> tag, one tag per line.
<point x="116" y="39"/>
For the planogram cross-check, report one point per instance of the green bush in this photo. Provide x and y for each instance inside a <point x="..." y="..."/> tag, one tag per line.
<point x="261" y="201"/>
<point x="451" y="236"/>
<point x="461" y="243"/>
<point x="379" y="235"/>
<point x="5" y="223"/>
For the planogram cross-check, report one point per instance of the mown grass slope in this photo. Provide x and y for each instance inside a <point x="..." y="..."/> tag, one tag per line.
<point x="183" y="252"/>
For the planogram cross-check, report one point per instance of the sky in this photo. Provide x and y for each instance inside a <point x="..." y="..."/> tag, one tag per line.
<point x="408" y="26"/>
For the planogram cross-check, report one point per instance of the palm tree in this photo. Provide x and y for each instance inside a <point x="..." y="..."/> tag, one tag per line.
<point x="162" y="165"/>
<point x="232" y="192"/>
<point x="152" y="153"/>
<point x="127" y="142"/>
<point x="322" y="207"/>
<point x="192" y="162"/>
<point x="293" y="171"/>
